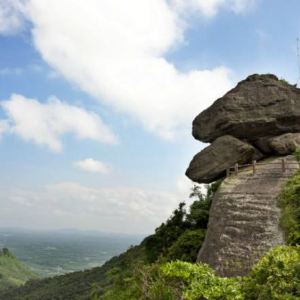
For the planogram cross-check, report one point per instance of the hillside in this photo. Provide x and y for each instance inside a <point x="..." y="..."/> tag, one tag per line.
<point x="150" y="271"/>
<point x="180" y="237"/>
<point x="76" y="285"/>
<point x="12" y="272"/>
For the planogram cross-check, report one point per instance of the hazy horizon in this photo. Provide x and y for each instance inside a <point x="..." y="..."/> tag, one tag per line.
<point x="97" y="101"/>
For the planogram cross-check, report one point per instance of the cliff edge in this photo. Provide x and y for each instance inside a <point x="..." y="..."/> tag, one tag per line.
<point x="244" y="217"/>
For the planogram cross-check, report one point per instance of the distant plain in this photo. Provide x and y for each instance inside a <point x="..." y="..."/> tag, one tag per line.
<point x="51" y="253"/>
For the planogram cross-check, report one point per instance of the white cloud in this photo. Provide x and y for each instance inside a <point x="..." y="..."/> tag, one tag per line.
<point x="114" y="50"/>
<point x="69" y="204"/>
<point x="92" y="165"/>
<point x="46" y="123"/>
<point x="11" y="16"/>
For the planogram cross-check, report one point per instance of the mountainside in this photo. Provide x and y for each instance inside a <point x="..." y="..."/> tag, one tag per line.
<point x="12" y="272"/>
<point x="252" y="214"/>
<point x="76" y="285"/>
<point x="180" y="237"/>
<point x="141" y="273"/>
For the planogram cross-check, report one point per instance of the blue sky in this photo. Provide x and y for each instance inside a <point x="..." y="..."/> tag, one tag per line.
<point x="110" y="151"/>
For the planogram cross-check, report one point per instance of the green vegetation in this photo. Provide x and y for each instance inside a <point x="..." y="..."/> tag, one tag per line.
<point x="12" y="272"/>
<point x="275" y="277"/>
<point x="289" y="202"/>
<point x="284" y="81"/>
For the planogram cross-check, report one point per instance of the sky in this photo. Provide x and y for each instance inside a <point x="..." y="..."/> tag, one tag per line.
<point x="97" y="99"/>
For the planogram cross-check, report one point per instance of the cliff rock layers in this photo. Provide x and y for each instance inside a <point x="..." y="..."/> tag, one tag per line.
<point x="244" y="218"/>
<point x="257" y="120"/>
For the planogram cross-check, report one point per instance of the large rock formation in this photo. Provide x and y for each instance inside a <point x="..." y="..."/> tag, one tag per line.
<point x="285" y="143"/>
<point x="260" y="118"/>
<point x="259" y="106"/>
<point x="211" y="163"/>
<point x="244" y="218"/>
<point x="262" y="111"/>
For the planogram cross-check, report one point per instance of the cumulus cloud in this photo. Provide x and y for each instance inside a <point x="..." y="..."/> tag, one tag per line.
<point x="92" y="165"/>
<point x="11" y="16"/>
<point x="115" y="51"/>
<point x="70" y="204"/>
<point x="46" y="123"/>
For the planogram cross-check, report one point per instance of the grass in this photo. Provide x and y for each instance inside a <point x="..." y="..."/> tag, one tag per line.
<point x="13" y="273"/>
<point x="289" y="202"/>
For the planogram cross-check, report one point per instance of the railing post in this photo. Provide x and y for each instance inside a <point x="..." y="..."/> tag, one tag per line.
<point x="236" y="168"/>
<point x="254" y="167"/>
<point x="283" y="166"/>
<point x="227" y="172"/>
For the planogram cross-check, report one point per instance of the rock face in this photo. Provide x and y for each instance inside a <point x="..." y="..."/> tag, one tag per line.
<point x="259" y="118"/>
<point x="244" y="218"/>
<point x="281" y="145"/>
<point x="261" y="112"/>
<point x="211" y="163"/>
<point x="285" y="144"/>
<point x="260" y="106"/>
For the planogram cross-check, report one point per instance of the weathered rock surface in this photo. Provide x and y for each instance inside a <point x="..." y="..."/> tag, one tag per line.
<point x="244" y="218"/>
<point x="259" y="106"/>
<point x="211" y="163"/>
<point x="285" y="144"/>
<point x="279" y="145"/>
<point x="263" y="144"/>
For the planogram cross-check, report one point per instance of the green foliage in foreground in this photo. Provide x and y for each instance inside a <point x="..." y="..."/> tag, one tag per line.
<point x="289" y="202"/>
<point x="12" y="272"/>
<point x="275" y="277"/>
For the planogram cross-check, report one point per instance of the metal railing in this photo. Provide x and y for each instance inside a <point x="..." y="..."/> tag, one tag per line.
<point x="282" y="165"/>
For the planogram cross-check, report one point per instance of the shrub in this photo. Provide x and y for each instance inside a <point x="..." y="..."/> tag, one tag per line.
<point x="200" y="282"/>
<point x="289" y="201"/>
<point x="276" y="276"/>
<point x="187" y="246"/>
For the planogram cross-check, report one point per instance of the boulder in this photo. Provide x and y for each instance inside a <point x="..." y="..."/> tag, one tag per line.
<point x="260" y="106"/>
<point x="285" y="144"/>
<point x="263" y="144"/>
<point x="211" y="163"/>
